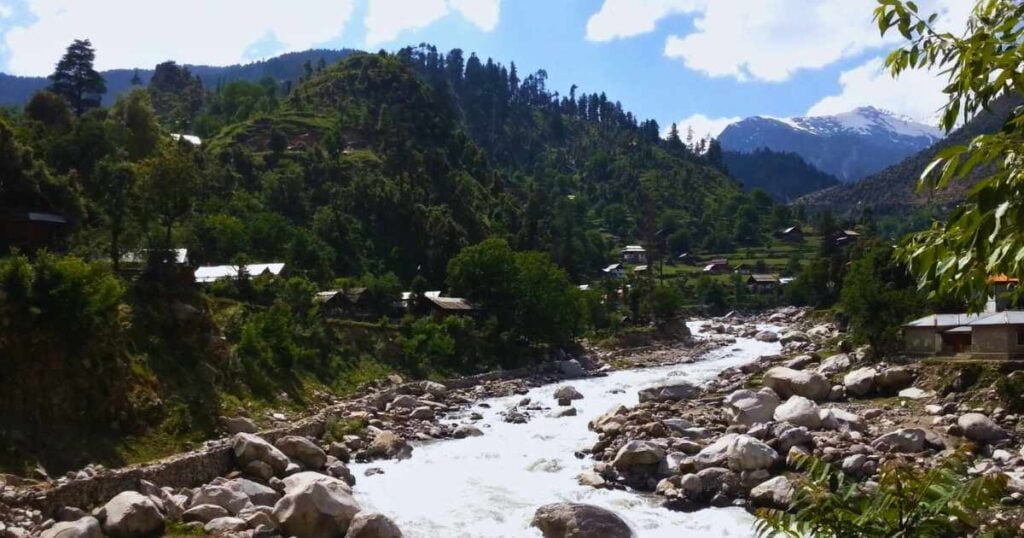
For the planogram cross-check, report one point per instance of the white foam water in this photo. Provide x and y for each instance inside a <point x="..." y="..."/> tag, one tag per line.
<point x="490" y="486"/>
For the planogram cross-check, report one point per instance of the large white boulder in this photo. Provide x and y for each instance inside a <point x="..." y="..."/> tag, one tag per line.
<point x="249" y="448"/>
<point x="908" y="440"/>
<point x="746" y="453"/>
<point x="638" y="453"/>
<point x="799" y="411"/>
<point x="860" y="382"/>
<point x="833" y="418"/>
<point x="978" y="427"/>
<point x="232" y="500"/>
<point x="303" y="451"/>
<point x="748" y="407"/>
<point x="574" y="520"/>
<point x="787" y="382"/>
<point x="131" y="515"/>
<point x="716" y="454"/>
<point x="773" y="493"/>
<point x="895" y="378"/>
<point x="257" y="493"/>
<point x="316" y="509"/>
<point x="567" y="392"/>
<point x="835" y="364"/>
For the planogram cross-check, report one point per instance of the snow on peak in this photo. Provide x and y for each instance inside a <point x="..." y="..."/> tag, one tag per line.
<point x="865" y="120"/>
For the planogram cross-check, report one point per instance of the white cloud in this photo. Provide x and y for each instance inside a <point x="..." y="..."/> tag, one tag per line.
<point x="5" y="11"/>
<point x="626" y="18"/>
<point x="482" y="13"/>
<point x="702" y="125"/>
<point x="766" y="40"/>
<point x="917" y="94"/>
<point x="143" y="34"/>
<point x="387" y="19"/>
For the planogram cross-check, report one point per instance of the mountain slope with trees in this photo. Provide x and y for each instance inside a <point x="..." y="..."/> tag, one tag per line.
<point x="785" y="176"/>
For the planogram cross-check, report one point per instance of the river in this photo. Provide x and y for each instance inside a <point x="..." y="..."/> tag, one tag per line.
<point x="490" y="486"/>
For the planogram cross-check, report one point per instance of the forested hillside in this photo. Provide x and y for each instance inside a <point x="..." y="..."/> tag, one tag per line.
<point x="413" y="171"/>
<point x="785" y="176"/>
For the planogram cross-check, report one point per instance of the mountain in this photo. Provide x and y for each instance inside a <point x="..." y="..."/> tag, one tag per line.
<point x="894" y="189"/>
<point x="785" y="176"/>
<point x="850" y="146"/>
<point x="16" y="91"/>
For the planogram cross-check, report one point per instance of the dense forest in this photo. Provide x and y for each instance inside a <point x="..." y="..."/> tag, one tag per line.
<point x="785" y="176"/>
<point x="411" y="171"/>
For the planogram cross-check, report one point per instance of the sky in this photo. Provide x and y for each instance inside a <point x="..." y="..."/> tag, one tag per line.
<point x="698" y="63"/>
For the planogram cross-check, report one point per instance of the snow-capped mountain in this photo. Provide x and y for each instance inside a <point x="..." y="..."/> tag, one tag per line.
<point x="850" y="146"/>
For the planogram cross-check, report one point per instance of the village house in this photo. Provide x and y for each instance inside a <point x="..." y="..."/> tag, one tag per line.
<point x="448" y="306"/>
<point x="718" y="266"/>
<point x="634" y="254"/>
<point x="994" y="334"/>
<point x="31" y="230"/>
<point x="214" y="273"/>
<point x="138" y="257"/>
<point x="350" y="302"/>
<point x="763" y="283"/>
<point x="793" y="234"/>
<point x="614" y="270"/>
<point x="845" y="237"/>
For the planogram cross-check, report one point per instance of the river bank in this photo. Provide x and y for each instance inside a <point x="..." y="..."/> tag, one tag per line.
<point x="378" y="424"/>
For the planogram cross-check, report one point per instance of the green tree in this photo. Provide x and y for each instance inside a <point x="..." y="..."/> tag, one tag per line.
<point x="878" y="297"/>
<point x="50" y="110"/>
<point x="115" y="184"/>
<point x="986" y="234"/>
<point x="133" y="125"/>
<point x="75" y="79"/>
<point x="169" y="189"/>
<point x="662" y="302"/>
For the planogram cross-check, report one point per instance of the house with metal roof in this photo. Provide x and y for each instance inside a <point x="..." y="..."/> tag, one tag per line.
<point x="213" y="273"/>
<point x="761" y="283"/>
<point x="993" y="335"/>
<point x="634" y="254"/>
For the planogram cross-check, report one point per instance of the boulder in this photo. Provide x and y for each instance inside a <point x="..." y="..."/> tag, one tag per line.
<point x="748" y="454"/>
<point x="669" y="393"/>
<point x="575" y="520"/>
<point x="404" y="401"/>
<point x="303" y="451"/>
<point x="766" y="336"/>
<point x="894" y="379"/>
<point x="860" y="382"/>
<point x="235" y="425"/>
<point x="466" y="430"/>
<point x="787" y="382"/>
<point x="834" y="418"/>
<point x="204" y="513"/>
<point x="85" y="527"/>
<point x="793" y="336"/>
<point x="799" y="411"/>
<point x="422" y="413"/>
<point x="225" y="525"/>
<point x="316" y="509"/>
<point x="433" y="388"/>
<point x="773" y="493"/>
<point x="372" y="525"/>
<point x="800" y="362"/>
<point x="914" y="393"/>
<point x="790" y="436"/>
<point x="978" y="427"/>
<point x="232" y="500"/>
<point x="835" y="364"/>
<point x="563" y="412"/>
<point x="615" y="414"/>
<point x="854" y="465"/>
<point x="387" y="444"/>
<point x="130" y="515"/>
<point x="638" y="453"/>
<point x="571" y="368"/>
<point x="341" y="471"/>
<point x="567" y="392"/>
<point x="716" y="454"/>
<point x="249" y="448"/>
<point x="748" y="407"/>
<point x="257" y="493"/>
<point x="907" y="440"/>
<point x="303" y="479"/>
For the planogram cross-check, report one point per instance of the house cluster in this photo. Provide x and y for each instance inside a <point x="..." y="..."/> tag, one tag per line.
<point x="357" y="303"/>
<point x="996" y="333"/>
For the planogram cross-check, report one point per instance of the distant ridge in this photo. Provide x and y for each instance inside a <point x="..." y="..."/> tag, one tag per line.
<point x="16" y="91"/>
<point x="849" y="146"/>
<point x="894" y="189"/>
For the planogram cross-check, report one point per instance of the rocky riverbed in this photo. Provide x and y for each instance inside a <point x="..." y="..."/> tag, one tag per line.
<point x="733" y="442"/>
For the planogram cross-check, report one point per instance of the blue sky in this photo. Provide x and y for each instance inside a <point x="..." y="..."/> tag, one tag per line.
<point x="697" y="62"/>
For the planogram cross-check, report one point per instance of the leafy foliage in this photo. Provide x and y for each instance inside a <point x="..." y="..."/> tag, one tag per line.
<point x="909" y="501"/>
<point x="983" y="237"/>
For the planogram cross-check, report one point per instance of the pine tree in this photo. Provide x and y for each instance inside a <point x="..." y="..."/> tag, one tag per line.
<point x="75" y="79"/>
<point x="136" y="79"/>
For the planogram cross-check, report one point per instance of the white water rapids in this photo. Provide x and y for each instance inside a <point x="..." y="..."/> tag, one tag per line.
<point x="490" y="486"/>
